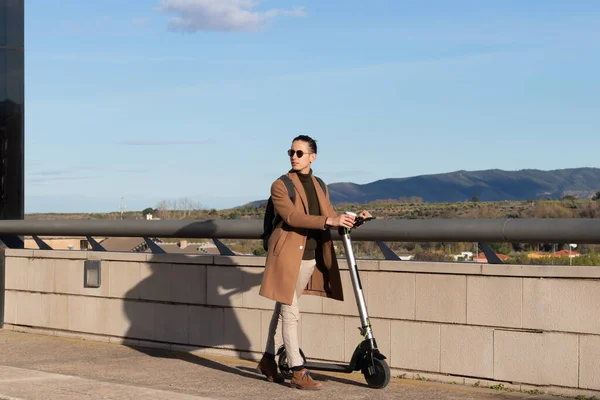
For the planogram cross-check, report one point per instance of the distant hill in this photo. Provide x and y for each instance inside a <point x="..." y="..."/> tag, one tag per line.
<point x="488" y="185"/>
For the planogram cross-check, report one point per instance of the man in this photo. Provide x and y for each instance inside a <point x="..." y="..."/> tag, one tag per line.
<point x="300" y="242"/>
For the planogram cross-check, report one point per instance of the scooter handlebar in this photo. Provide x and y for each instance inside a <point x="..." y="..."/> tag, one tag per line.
<point x="358" y="221"/>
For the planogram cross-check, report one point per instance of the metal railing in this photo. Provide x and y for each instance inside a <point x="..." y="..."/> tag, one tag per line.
<point x="557" y="230"/>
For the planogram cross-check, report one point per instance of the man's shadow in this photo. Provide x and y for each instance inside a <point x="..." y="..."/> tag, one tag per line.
<point x="188" y="319"/>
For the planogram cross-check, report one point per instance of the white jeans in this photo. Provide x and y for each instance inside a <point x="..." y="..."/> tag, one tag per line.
<point x="285" y="319"/>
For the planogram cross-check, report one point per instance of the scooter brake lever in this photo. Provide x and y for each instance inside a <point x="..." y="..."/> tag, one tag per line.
<point x="361" y="220"/>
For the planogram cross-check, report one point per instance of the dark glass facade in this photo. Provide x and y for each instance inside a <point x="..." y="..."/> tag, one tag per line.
<point x="12" y="109"/>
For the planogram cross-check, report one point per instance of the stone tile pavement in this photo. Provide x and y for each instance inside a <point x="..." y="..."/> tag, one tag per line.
<point x="47" y="367"/>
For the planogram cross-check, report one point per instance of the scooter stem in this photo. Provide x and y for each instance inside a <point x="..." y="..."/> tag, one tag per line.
<point x="356" y="284"/>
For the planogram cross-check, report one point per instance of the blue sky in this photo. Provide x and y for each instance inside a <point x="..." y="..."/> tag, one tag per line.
<point x="160" y="100"/>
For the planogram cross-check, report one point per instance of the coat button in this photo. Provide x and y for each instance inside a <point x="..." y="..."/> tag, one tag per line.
<point x="301" y="247"/>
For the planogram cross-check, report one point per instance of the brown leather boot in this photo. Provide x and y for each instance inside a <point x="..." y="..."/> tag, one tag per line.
<point x="269" y="369"/>
<point x="303" y="380"/>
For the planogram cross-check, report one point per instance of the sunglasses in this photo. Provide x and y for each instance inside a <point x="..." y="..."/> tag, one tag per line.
<point x="298" y="153"/>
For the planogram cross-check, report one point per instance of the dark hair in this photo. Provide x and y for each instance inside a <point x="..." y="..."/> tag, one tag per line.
<point x="312" y="143"/>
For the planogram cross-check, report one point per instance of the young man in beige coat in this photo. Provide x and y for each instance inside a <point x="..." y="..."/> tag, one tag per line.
<point x="301" y="258"/>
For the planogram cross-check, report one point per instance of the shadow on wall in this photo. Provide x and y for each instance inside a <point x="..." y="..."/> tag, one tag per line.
<point x="163" y="320"/>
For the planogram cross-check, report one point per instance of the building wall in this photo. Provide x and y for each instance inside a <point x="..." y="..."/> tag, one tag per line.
<point x="11" y="109"/>
<point x="520" y="325"/>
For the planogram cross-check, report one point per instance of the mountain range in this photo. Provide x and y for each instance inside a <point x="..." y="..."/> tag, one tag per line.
<point x="487" y="185"/>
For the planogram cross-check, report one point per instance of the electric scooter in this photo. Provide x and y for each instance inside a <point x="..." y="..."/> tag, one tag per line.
<point x="366" y="357"/>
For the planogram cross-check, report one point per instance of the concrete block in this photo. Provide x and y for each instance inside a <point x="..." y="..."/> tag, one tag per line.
<point x="82" y="336"/>
<point x="171" y="323"/>
<point x="494" y="301"/>
<point x="55" y="311"/>
<point x="141" y="317"/>
<point x="352" y="336"/>
<point x="124" y="279"/>
<point x="242" y="329"/>
<point x="563" y="347"/>
<point x="363" y="264"/>
<point x="239" y="261"/>
<point x="41" y="275"/>
<point x="14" y="253"/>
<point x="60" y="254"/>
<point x="188" y="283"/>
<point x="429" y="267"/>
<point x="68" y="276"/>
<point x="195" y="259"/>
<point x="124" y="342"/>
<point x="589" y="362"/>
<point x="348" y="306"/>
<point x="391" y="295"/>
<point x="83" y="314"/>
<point x="224" y="286"/>
<point x="415" y="345"/>
<point x="206" y="326"/>
<point x="441" y="298"/>
<point x="10" y="306"/>
<point x="467" y="351"/>
<point x="533" y="358"/>
<point x="154" y="345"/>
<point x="155" y="282"/>
<point x="117" y="256"/>
<point x="310" y="304"/>
<point x="115" y="317"/>
<point x="29" y="309"/>
<point x="33" y="331"/>
<point x="17" y="273"/>
<point x="538" y="271"/>
<point x="561" y="305"/>
<point x="323" y="336"/>
<point x="251" y="280"/>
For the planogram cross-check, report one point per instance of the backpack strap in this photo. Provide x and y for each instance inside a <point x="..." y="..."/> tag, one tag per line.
<point x="289" y="186"/>
<point x="323" y="185"/>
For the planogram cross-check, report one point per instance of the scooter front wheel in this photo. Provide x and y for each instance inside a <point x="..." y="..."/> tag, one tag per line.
<point x="381" y="376"/>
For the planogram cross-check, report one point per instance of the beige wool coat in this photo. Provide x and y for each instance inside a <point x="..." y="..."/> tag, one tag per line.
<point x="287" y="241"/>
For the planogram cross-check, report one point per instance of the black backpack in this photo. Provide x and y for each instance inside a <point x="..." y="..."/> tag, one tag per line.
<point x="271" y="219"/>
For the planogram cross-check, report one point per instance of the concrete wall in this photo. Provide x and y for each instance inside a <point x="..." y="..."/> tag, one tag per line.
<point x="521" y="325"/>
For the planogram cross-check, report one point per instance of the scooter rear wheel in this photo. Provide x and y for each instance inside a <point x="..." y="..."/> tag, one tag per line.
<point x="381" y="377"/>
<point x="283" y="364"/>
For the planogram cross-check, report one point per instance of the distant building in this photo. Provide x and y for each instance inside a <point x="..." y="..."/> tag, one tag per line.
<point x="483" y="259"/>
<point x="61" y="243"/>
<point x="565" y="253"/>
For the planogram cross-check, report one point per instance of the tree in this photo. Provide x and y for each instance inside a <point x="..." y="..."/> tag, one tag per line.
<point x="259" y="251"/>
<point x="475" y="198"/>
<point x="596" y="196"/>
<point x="177" y="208"/>
<point x="148" y="210"/>
<point x="500" y="248"/>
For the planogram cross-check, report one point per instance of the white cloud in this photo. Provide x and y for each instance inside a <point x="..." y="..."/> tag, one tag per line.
<point x="221" y="15"/>
<point x="140" y="21"/>
<point x="166" y="142"/>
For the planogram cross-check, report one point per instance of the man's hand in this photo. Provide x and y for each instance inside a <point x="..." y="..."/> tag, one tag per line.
<point x="364" y="214"/>
<point x="342" y="220"/>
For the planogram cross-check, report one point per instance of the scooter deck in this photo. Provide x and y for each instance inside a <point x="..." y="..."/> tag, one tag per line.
<point x="328" y="367"/>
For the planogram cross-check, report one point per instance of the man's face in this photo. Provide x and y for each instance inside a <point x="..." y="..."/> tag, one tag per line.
<point x="301" y="164"/>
